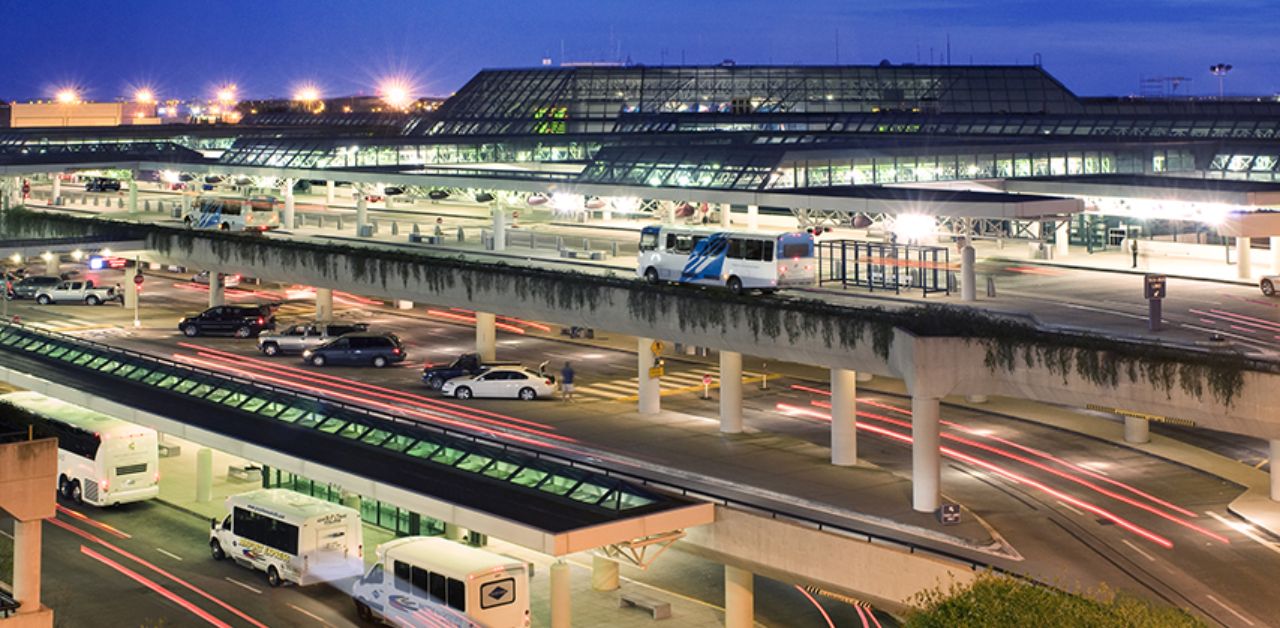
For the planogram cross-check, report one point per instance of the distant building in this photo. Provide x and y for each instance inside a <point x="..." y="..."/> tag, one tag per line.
<point x="77" y="114"/>
<point x="4" y="114"/>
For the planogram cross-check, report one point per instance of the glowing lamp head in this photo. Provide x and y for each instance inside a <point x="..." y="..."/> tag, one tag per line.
<point x="307" y="93"/>
<point x="67" y="96"/>
<point x="396" y="93"/>
<point x="144" y="96"/>
<point x="911" y="227"/>
<point x="226" y="94"/>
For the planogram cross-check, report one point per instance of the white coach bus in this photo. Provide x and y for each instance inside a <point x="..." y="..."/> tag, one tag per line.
<point x="293" y="537"/>
<point x="737" y="260"/>
<point x="432" y="581"/>
<point x="102" y="460"/>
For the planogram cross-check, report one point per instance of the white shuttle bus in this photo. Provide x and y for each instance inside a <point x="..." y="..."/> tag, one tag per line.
<point x="227" y="214"/>
<point x="432" y="581"/>
<point x="737" y="260"/>
<point x="102" y="460"/>
<point x="291" y="536"/>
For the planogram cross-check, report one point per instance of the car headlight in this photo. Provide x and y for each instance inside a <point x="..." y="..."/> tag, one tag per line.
<point x="307" y="353"/>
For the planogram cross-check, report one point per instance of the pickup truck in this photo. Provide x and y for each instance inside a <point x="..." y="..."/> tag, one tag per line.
<point x="434" y="376"/>
<point x="82" y="291"/>
<point x="302" y="336"/>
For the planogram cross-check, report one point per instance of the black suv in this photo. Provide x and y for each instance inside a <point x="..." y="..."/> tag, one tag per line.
<point x="241" y="321"/>
<point x="102" y="184"/>
<point x="358" y="349"/>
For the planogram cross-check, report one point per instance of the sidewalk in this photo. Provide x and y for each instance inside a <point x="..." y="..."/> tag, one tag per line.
<point x="1200" y="267"/>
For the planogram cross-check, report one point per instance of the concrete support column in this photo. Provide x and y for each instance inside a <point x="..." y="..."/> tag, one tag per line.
<point x="133" y="192"/>
<point x="863" y="377"/>
<point x="26" y="564"/>
<point x="726" y="215"/>
<point x="486" y="336"/>
<point x="401" y="304"/>
<point x="650" y="389"/>
<point x="668" y="210"/>
<point x="330" y="187"/>
<point x="204" y="475"/>
<point x="739" y="598"/>
<point x="968" y="275"/>
<point x="730" y="392"/>
<point x="186" y="202"/>
<point x="926" y="454"/>
<point x="1244" y="266"/>
<point x="217" y="289"/>
<point x="753" y="217"/>
<point x="287" y="220"/>
<point x="56" y="182"/>
<point x="1275" y="470"/>
<point x="351" y="500"/>
<point x="499" y="228"/>
<point x="452" y="532"/>
<point x="324" y="304"/>
<point x="976" y="398"/>
<point x="561" y="607"/>
<point x="1275" y="255"/>
<point x="1062" y="239"/>
<point x="844" y="417"/>
<point x="1136" y="430"/>
<point x="130" y="288"/>
<point x="604" y="573"/>
<point x="362" y="213"/>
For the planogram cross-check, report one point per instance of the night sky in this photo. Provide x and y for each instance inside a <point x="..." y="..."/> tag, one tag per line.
<point x="267" y="47"/>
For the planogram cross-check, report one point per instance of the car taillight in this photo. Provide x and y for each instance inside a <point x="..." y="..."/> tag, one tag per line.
<point x="261" y="320"/>
<point x="395" y="351"/>
<point x="782" y="270"/>
<point x="549" y="382"/>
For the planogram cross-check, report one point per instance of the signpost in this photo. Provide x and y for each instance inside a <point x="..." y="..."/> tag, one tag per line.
<point x="706" y="386"/>
<point x="137" y="294"/>
<point x="1155" y="289"/>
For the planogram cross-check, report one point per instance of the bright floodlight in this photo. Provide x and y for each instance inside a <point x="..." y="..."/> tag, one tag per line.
<point x="912" y="227"/>
<point x="396" y="93"/>
<point x="67" y="96"/>
<point x="307" y="93"/>
<point x="144" y="96"/>
<point x="226" y="94"/>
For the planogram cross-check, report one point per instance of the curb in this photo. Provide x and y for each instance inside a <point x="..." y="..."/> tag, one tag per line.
<point x="1121" y="271"/>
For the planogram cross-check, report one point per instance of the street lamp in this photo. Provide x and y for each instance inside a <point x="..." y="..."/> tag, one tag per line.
<point x="226" y="95"/>
<point x="67" y="96"/>
<point x="397" y="93"/>
<point x="144" y="96"/>
<point x="1220" y="70"/>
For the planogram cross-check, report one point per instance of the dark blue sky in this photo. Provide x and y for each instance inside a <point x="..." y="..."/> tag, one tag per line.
<point x="1096" y="47"/>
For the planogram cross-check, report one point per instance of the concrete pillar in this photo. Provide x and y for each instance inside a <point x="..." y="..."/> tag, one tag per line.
<point x="1244" y="266"/>
<point x="130" y="288"/>
<point x="560" y="601"/>
<point x="739" y="598"/>
<point x="452" y="531"/>
<point x="726" y="216"/>
<point x="486" y="336"/>
<point x="56" y="182"/>
<point x="330" y="187"/>
<point x="1062" y="239"/>
<point x="975" y="398"/>
<point x="844" y="417"/>
<point x="401" y="304"/>
<point x="351" y="500"/>
<point x="604" y="573"/>
<point x="217" y="289"/>
<point x="1275" y="470"/>
<point x="324" y="304"/>
<point x="753" y="217"/>
<point x="968" y="276"/>
<point x="650" y="389"/>
<point x="27" y="537"/>
<point x="499" y="228"/>
<point x="1275" y="255"/>
<point x="52" y="266"/>
<point x="668" y="211"/>
<point x="186" y="202"/>
<point x="1136" y="430"/>
<point x="287" y="216"/>
<point x="730" y="392"/>
<point x="133" y="192"/>
<point x="362" y="213"/>
<point x="204" y="475"/>
<point x="863" y="377"/>
<point x="926" y="454"/>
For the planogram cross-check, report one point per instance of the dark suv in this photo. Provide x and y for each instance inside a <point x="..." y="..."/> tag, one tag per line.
<point x="27" y="287"/>
<point x="241" y="321"/>
<point x="102" y="184"/>
<point x="358" y="349"/>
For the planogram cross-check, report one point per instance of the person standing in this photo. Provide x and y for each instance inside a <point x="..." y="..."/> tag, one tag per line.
<point x="1133" y="249"/>
<point x="566" y="383"/>
<point x="439" y="227"/>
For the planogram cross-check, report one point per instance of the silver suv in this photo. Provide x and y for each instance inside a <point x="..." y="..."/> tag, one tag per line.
<point x="302" y="336"/>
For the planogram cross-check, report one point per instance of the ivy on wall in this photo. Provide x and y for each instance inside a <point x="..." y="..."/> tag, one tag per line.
<point x="1008" y="344"/>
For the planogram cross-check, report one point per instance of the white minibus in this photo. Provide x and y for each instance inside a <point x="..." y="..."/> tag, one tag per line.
<point x="737" y="260"/>
<point x="256" y="214"/>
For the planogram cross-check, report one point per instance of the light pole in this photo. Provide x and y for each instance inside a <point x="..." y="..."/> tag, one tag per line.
<point x="1220" y="70"/>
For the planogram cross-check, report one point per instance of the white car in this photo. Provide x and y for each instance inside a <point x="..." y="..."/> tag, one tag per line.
<point x="1270" y="285"/>
<point x="512" y="382"/>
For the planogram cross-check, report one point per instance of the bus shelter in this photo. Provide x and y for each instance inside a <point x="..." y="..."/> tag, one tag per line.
<point x="885" y="266"/>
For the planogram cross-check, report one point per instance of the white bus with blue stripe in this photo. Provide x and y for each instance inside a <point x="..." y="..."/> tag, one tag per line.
<point x="229" y="214"/>
<point x="737" y="260"/>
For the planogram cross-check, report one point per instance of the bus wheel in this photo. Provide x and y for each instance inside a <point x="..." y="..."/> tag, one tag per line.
<point x="225" y="227"/>
<point x="273" y="577"/>
<point x="64" y="487"/>
<point x="186" y="222"/>
<point x="651" y="275"/>
<point x="364" y="612"/>
<point x="77" y="495"/>
<point x="215" y="548"/>
<point x="735" y="285"/>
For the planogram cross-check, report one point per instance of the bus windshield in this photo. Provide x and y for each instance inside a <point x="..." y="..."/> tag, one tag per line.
<point x="794" y="246"/>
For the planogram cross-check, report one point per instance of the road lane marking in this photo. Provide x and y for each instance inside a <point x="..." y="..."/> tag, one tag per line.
<point x="1229" y="609"/>
<point x="168" y="553"/>
<point x="155" y="586"/>
<point x="1071" y="508"/>
<point x="241" y="584"/>
<point x="309" y="614"/>
<point x="1138" y="550"/>
<point x="1245" y="529"/>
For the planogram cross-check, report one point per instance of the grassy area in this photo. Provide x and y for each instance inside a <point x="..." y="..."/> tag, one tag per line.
<point x="998" y="601"/>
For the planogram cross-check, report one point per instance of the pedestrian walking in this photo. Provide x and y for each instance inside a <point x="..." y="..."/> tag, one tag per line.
<point x="439" y="227"/>
<point x="566" y="383"/>
<point x="1133" y="248"/>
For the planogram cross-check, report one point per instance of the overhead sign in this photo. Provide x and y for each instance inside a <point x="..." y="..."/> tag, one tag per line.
<point x="657" y="347"/>
<point x="1155" y="286"/>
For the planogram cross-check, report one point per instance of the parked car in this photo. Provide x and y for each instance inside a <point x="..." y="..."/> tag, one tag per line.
<point x="358" y="349"/>
<point x="102" y="184"/>
<point x="241" y="321"/>
<point x="514" y="382"/>
<point x="302" y="336"/>
<point x="228" y="281"/>
<point x="75" y="291"/>
<point x="27" y="287"/>
<point x="434" y="376"/>
<point x="1270" y="285"/>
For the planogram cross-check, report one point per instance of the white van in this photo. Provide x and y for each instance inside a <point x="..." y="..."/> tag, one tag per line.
<point x="434" y="581"/>
<point x="254" y="214"/>
<point x="291" y="536"/>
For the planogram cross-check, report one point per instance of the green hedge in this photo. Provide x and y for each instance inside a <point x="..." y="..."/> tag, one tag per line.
<point x="999" y="601"/>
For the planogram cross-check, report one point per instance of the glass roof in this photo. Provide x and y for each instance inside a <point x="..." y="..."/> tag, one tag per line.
<point x="406" y="444"/>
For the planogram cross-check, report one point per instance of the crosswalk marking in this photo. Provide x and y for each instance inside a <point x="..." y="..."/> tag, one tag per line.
<point x="674" y="383"/>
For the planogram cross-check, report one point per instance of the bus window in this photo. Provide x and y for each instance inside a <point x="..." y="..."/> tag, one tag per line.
<point x="754" y="250"/>
<point x="684" y="244"/>
<point x="649" y="241"/>
<point x="420" y="581"/>
<point x="736" y="248"/>
<point x="671" y="241"/>
<point x="458" y="595"/>
<point x="766" y="251"/>
<point x="438" y="593"/>
<point x="402" y="576"/>
<point x="375" y="575"/>
<point x="793" y="247"/>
